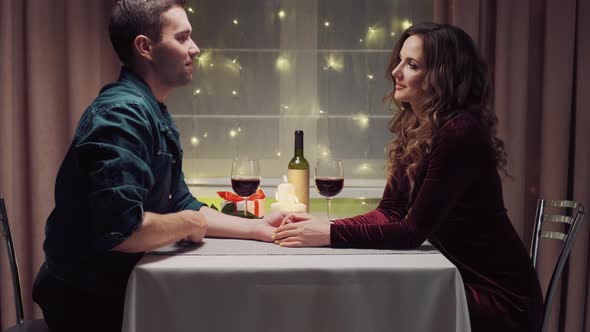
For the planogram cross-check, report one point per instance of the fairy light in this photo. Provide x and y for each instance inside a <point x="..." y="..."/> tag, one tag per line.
<point x="236" y="21"/>
<point x="234" y="93"/>
<point x="406" y="24"/>
<point x="197" y="92"/>
<point x="194" y="141"/>
<point x="232" y="133"/>
<point x="370" y="76"/>
<point x="392" y="34"/>
<point x="371" y="30"/>
<point x="278" y="154"/>
<point x="282" y="64"/>
<point x="190" y="10"/>
<point x="327" y="24"/>
<point x="282" y="14"/>
<point x="205" y="135"/>
<point x="334" y="62"/>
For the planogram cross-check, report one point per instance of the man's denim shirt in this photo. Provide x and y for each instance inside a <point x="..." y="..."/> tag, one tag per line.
<point x="125" y="159"/>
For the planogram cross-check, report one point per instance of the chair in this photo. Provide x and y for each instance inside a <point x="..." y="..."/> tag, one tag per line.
<point x="21" y="325"/>
<point x="568" y="238"/>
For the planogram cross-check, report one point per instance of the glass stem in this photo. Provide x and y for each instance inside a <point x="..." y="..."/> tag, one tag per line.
<point x="329" y="202"/>
<point x="245" y="207"/>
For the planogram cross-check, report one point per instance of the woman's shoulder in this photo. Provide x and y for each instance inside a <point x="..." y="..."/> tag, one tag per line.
<point x="462" y="125"/>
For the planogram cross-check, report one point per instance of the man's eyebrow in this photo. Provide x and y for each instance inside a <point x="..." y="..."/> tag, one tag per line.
<point x="186" y="31"/>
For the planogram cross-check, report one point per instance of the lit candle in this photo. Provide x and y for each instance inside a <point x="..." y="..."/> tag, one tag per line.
<point x="286" y="199"/>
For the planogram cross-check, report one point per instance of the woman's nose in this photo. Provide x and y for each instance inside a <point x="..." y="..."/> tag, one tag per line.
<point x="396" y="73"/>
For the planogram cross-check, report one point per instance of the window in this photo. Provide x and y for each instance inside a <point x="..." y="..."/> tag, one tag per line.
<point x="269" y="67"/>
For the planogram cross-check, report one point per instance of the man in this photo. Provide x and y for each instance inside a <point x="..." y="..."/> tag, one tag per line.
<point x="120" y="190"/>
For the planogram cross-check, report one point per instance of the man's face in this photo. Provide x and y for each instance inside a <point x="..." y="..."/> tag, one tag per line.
<point x="174" y="55"/>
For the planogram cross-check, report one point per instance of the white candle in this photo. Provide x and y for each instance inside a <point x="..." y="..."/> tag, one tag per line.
<point x="286" y="199"/>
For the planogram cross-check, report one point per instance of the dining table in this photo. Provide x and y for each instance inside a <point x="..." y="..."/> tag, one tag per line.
<point x="243" y="285"/>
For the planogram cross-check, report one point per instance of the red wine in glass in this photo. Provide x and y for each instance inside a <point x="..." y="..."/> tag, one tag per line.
<point x="245" y="178"/>
<point x="329" y="187"/>
<point x="329" y="179"/>
<point x="245" y="186"/>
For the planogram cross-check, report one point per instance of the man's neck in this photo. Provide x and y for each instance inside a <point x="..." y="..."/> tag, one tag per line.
<point x="159" y="90"/>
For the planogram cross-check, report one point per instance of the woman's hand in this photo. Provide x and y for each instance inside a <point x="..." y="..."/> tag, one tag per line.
<point x="308" y="233"/>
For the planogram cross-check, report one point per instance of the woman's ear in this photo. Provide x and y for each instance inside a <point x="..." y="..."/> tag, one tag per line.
<point x="143" y="46"/>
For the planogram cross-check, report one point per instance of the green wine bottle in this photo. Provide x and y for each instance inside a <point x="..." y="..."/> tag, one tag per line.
<point x="298" y="172"/>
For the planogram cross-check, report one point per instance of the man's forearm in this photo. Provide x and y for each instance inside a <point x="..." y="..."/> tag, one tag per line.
<point x="158" y="230"/>
<point x="226" y="226"/>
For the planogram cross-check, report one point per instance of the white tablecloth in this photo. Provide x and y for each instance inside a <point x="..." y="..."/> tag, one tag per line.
<point x="235" y="285"/>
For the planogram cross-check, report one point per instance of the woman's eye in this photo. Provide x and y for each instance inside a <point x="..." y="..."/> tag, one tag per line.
<point x="412" y="66"/>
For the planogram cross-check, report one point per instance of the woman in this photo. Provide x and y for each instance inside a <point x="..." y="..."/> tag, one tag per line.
<point x="443" y="182"/>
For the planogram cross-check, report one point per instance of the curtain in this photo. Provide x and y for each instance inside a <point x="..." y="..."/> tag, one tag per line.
<point x="536" y="51"/>
<point x="55" y="57"/>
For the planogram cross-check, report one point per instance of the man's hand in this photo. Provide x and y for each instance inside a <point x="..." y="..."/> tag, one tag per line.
<point x="296" y="217"/>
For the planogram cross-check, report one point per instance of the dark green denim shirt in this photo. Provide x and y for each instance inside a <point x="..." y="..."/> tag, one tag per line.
<point x="125" y="159"/>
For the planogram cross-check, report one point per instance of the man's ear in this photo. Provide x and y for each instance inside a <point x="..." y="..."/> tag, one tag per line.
<point x="143" y="46"/>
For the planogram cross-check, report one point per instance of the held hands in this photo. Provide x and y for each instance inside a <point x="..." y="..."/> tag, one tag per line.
<point x="264" y="229"/>
<point x="302" y="230"/>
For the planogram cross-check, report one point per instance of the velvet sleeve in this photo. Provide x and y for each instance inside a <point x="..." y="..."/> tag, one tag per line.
<point x="455" y="161"/>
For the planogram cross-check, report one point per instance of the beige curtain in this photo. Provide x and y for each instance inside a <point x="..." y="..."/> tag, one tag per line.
<point x="55" y="57"/>
<point x="539" y="51"/>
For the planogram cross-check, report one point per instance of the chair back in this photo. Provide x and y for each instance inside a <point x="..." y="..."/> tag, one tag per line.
<point x="541" y="218"/>
<point x="5" y="228"/>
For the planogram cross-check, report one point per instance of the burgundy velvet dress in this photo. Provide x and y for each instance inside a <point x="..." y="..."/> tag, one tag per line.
<point x="457" y="205"/>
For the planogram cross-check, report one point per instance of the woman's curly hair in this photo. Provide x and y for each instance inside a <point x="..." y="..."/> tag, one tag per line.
<point x="456" y="79"/>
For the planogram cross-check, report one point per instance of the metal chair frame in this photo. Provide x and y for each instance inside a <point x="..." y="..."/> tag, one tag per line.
<point x="21" y="325"/>
<point x="18" y="302"/>
<point x="568" y="238"/>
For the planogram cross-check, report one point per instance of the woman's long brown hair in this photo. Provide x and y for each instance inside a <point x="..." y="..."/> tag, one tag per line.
<point x="456" y="80"/>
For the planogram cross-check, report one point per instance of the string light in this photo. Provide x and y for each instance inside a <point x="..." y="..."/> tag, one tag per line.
<point x="197" y="92"/>
<point x="362" y="120"/>
<point x="370" y="76"/>
<point x="190" y="10"/>
<point x="232" y="133"/>
<point x="194" y="141"/>
<point x="334" y="62"/>
<point x="327" y="24"/>
<point x="234" y="92"/>
<point x="278" y="154"/>
<point x="236" y="22"/>
<point x="281" y="14"/>
<point x="406" y="24"/>
<point x="392" y="34"/>
<point x="205" y="135"/>
<point x="282" y="64"/>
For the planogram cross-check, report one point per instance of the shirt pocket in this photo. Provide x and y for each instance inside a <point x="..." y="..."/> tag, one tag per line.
<point x="165" y="169"/>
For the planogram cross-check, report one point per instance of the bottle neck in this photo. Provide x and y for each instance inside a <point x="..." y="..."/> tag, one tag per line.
<point x="299" y="144"/>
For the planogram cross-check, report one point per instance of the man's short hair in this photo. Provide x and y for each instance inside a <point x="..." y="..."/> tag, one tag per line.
<point x="131" y="18"/>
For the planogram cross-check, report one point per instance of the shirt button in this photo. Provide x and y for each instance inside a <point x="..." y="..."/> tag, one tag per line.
<point x="170" y="196"/>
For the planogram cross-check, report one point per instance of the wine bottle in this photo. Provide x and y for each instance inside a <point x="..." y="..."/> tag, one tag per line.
<point x="298" y="172"/>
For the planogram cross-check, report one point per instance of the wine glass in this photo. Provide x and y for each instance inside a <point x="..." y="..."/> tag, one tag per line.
<point x="245" y="178"/>
<point x="329" y="179"/>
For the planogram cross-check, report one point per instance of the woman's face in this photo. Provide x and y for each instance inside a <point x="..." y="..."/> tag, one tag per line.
<point x="410" y="73"/>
